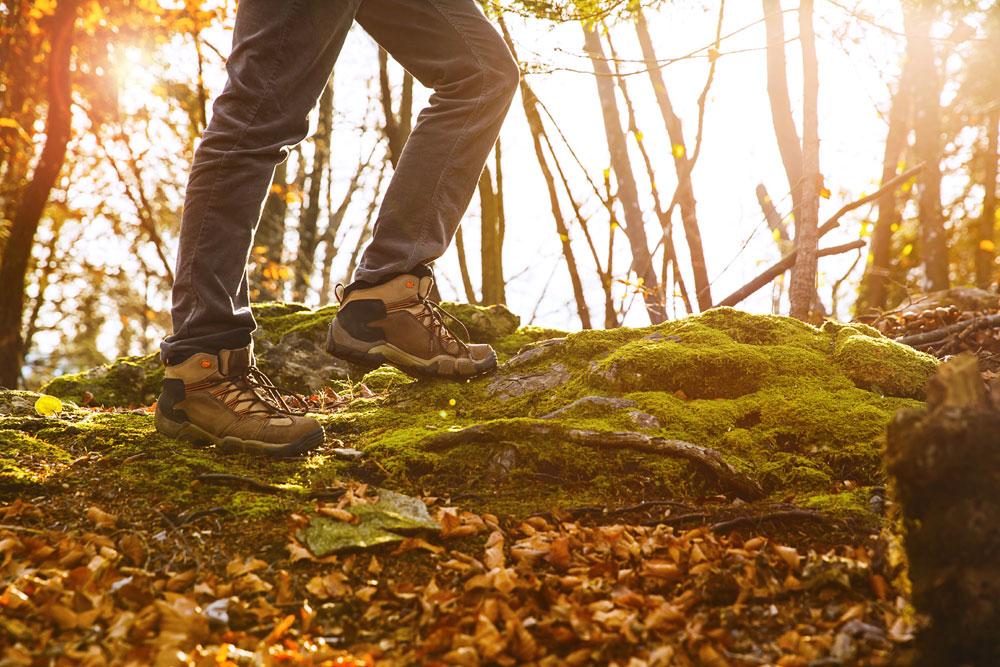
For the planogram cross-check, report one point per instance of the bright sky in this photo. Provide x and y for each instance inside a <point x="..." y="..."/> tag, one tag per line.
<point x="739" y="147"/>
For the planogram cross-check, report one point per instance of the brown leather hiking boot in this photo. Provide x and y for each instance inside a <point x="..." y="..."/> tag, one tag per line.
<point x="394" y="323"/>
<point x="225" y="400"/>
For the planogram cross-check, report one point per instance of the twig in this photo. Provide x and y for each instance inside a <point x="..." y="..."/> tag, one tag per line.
<point x="708" y="459"/>
<point x="938" y="334"/>
<point x="187" y="518"/>
<point x="4" y="526"/>
<point x="834" y="220"/>
<point x="174" y="529"/>
<point x="222" y="478"/>
<point x="772" y="516"/>
<point x="616" y="511"/>
<point x="780" y="267"/>
<point x="671" y="520"/>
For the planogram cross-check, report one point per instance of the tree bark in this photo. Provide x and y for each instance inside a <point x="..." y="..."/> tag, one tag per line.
<point x="17" y="251"/>
<point x="265" y="279"/>
<point x="397" y="127"/>
<point x="491" y="244"/>
<point x="305" y="258"/>
<point x="781" y="106"/>
<point x="873" y="293"/>
<point x="802" y="286"/>
<point x="682" y="166"/>
<point x="635" y="230"/>
<point x="927" y="141"/>
<point x="986" y="252"/>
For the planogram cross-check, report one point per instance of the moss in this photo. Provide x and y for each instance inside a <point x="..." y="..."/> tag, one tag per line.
<point x="486" y="324"/>
<point x="27" y="462"/>
<point x="848" y="503"/>
<point x="800" y="408"/>
<point x="129" y="381"/>
<point x="310" y="324"/>
<point x="385" y="378"/>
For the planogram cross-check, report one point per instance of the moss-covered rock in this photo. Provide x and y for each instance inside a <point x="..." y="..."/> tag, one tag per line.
<point x="799" y="409"/>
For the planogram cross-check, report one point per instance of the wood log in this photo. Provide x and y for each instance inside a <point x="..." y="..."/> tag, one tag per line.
<point x="945" y="464"/>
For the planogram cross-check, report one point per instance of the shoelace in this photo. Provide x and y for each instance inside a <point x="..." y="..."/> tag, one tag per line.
<point x="436" y="314"/>
<point x="271" y="396"/>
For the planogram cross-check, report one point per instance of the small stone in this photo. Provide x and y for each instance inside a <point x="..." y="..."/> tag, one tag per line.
<point x="596" y="401"/>
<point x="643" y="419"/>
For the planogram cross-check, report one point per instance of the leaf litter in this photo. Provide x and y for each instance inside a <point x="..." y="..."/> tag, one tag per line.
<point x="464" y="589"/>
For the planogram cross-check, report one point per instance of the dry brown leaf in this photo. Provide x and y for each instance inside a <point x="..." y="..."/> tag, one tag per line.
<point x="100" y="518"/>
<point x="250" y="584"/>
<point x="181" y="580"/>
<point x="284" y="594"/>
<point x="332" y="585"/>
<point x="237" y="567"/>
<point x="559" y="553"/>
<point x="130" y="545"/>
<point x="787" y="554"/>
<point x="663" y="569"/>
<point x="494" y="556"/>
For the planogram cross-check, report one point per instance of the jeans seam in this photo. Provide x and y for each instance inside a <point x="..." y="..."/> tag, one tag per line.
<point x="461" y="135"/>
<point x="218" y="175"/>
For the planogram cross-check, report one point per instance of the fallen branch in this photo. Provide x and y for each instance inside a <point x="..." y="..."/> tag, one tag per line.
<point x="223" y="478"/>
<point x="613" y="511"/>
<point x="708" y="459"/>
<point x="776" y="269"/>
<point x="939" y="334"/>
<point x="784" y="515"/>
<point x="788" y="261"/>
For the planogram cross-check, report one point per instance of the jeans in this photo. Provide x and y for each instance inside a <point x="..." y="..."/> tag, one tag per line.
<point x="282" y="57"/>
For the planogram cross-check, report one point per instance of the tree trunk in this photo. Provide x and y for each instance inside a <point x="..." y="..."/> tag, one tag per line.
<point x="781" y="106"/>
<point x="802" y="286"/>
<point x="463" y="267"/>
<point x="397" y="127"/>
<point x="17" y="251"/>
<point x="635" y="229"/>
<point x="334" y="220"/>
<point x="682" y="166"/>
<point x="927" y="142"/>
<point x="265" y="280"/>
<point x="944" y="461"/>
<point x="873" y="293"/>
<point x="529" y="103"/>
<point x="986" y="253"/>
<point x="305" y="258"/>
<point x="492" y="242"/>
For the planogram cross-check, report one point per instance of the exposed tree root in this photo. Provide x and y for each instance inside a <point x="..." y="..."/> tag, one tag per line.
<point x="783" y="515"/>
<point x="711" y="461"/>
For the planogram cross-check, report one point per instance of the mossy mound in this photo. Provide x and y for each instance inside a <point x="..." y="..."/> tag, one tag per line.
<point x="800" y="409"/>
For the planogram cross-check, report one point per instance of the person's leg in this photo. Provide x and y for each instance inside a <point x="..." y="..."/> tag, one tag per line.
<point x="282" y="56"/>
<point x="283" y="53"/>
<point x="449" y="46"/>
<point x="384" y="315"/>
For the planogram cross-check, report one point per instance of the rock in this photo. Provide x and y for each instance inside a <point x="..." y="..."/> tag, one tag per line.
<point x="378" y="523"/>
<point x="510" y="386"/>
<point x="594" y="401"/>
<point x="643" y="419"/>
<point x="534" y="352"/>
<point x="298" y="364"/>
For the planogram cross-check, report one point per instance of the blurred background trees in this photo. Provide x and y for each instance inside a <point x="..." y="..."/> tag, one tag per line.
<point x="609" y="200"/>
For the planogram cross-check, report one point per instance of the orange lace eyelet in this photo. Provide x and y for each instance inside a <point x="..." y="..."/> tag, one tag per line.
<point x="409" y="283"/>
<point x="206" y="364"/>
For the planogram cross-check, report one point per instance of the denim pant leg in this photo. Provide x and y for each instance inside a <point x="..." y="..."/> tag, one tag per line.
<point x="449" y="46"/>
<point x="282" y="57"/>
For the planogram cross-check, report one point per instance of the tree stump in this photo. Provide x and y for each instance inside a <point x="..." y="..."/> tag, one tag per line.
<point x="945" y="463"/>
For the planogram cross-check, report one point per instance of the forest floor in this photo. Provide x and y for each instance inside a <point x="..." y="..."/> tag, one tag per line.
<point x="543" y="521"/>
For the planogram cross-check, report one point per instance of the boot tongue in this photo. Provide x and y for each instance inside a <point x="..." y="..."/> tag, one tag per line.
<point x="235" y="362"/>
<point x="425" y="286"/>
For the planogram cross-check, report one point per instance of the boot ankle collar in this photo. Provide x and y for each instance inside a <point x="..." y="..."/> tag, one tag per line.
<point x="235" y="362"/>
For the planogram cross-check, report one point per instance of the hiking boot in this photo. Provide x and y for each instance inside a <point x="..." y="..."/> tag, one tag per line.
<point x="394" y="323"/>
<point x="225" y="400"/>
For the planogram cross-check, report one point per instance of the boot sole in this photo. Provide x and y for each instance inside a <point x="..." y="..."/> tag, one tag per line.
<point x="198" y="436"/>
<point x="372" y="355"/>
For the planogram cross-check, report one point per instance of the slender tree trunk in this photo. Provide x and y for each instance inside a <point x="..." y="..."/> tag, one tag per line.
<point x="781" y="106"/>
<point x="334" y="220"/>
<point x="873" y="293"/>
<point x="397" y="127"/>
<point x="491" y="241"/>
<point x="17" y="251"/>
<point x="682" y="166"/>
<point x="530" y="104"/>
<point x="927" y="142"/>
<point x="305" y="258"/>
<point x="986" y="253"/>
<point x="366" y="229"/>
<point x="635" y="230"/>
<point x="802" y="286"/>
<point x="463" y="267"/>
<point x="265" y="280"/>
